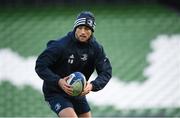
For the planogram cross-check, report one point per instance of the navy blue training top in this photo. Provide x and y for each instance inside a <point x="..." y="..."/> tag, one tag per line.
<point x="67" y="55"/>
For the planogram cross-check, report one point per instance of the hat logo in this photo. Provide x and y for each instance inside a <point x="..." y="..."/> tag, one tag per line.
<point x="90" y="22"/>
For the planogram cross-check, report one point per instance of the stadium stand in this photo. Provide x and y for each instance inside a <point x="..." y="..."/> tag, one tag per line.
<point x="125" y="31"/>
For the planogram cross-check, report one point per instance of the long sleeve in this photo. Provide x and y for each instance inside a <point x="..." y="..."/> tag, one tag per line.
<point x="45" y="60"/>
<point x="104" y="70"/>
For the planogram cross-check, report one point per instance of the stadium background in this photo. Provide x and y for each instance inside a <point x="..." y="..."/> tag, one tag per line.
<point x="136" y="35"/>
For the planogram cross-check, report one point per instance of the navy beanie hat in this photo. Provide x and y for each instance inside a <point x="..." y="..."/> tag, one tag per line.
<point x="85" y="18"/>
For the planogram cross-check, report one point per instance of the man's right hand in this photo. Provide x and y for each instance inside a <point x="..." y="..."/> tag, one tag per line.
<point x="65" y="86"/>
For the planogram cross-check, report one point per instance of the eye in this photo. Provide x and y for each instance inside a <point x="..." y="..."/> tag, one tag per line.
<point x="80" y="27"/>
<point x="87" y="28"/>
<point x="84" y="28"/>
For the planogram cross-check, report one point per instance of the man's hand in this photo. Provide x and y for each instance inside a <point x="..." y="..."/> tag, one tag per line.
<point x="66" y="87"/>
<point x="87" y="89"/>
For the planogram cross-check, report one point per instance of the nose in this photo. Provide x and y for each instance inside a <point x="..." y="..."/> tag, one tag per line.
<point x="82" y="30"/>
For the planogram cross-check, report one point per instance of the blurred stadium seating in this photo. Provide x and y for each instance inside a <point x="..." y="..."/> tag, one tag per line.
<point x="125" y="31"/>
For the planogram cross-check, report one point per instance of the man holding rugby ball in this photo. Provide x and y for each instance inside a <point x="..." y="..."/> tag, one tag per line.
<point x="77" y="51"/>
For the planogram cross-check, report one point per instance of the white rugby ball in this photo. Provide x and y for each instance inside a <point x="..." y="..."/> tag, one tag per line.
<point x="78" y="82"/>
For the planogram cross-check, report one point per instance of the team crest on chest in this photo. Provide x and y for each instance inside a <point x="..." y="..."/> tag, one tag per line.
<point x="84" y="57"/>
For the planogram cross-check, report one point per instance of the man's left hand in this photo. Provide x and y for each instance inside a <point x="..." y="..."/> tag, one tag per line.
<point x="87" y="89"/>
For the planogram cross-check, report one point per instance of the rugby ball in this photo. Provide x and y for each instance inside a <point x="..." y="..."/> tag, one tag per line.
<point x="78" y="82"/>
